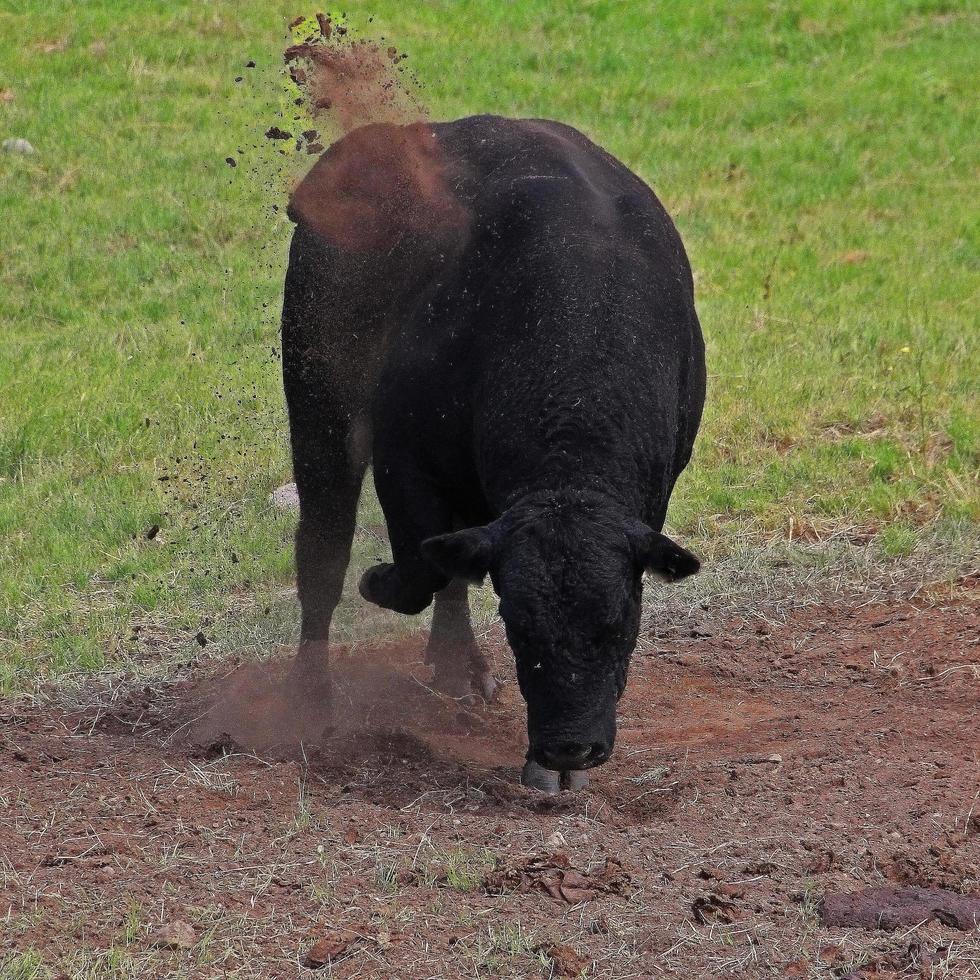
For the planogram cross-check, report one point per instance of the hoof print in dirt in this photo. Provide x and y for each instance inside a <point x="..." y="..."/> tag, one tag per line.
<point x="328" y="948"/>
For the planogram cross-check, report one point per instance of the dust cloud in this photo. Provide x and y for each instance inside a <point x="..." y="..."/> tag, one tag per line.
<point x="375" y="690"/>
<point x="384" y="177"/>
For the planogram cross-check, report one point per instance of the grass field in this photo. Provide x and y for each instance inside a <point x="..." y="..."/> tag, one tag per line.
<point x="819" y="158"/>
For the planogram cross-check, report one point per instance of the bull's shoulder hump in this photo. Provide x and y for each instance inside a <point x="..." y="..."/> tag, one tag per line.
<point x="495" y="146"/>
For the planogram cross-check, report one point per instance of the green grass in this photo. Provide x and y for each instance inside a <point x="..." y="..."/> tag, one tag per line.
<point x="819" y="159"/>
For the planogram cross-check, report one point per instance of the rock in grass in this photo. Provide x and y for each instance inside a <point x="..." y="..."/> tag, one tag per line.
<point x="175" y="935"/>
<point x="15" y="144"/>
<point x="330" y="946"/>
<point x="285" y="497"/>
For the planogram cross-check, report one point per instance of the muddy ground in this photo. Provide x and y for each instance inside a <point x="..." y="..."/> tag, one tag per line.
<point x="765" y="765"/>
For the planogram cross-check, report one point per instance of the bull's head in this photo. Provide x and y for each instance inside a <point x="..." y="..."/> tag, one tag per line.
<point x="569" y="577"/>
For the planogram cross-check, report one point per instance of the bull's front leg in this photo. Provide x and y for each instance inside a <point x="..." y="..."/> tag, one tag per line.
<point x="414" y="511"/>
<point x="460" y="668"/>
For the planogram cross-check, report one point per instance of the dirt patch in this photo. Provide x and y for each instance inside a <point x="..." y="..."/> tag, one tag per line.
<point x="775" y="778"/>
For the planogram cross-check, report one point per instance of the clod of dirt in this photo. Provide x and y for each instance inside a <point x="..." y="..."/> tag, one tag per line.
<point x="6" y="95"/>
<point x="820" y="864"/>
<point x="223" y="744"/>
<point x="566" y="962"/>
<point x="152" y="531"/>
<point x="891" y="908"/>
<point x="707" y="909"/>
<point x="330" y="946"/>
<point x="231" y="161"/>
<point x="174" y="935"/>
<point x="275" y="133"/>
<point x="554" y="875"/>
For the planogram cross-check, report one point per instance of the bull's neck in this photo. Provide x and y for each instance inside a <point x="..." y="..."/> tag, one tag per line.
<point x="579" y="445"/>
<point x="545" y="490"/>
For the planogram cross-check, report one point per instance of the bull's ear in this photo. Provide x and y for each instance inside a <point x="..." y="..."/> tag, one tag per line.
<point x="659" y="555"/>
<point x="463" y="554"/>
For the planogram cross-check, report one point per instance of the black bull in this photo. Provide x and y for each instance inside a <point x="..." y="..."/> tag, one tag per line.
<point x="500" y="316"/>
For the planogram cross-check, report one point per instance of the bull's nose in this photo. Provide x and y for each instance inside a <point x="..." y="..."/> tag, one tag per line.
<point x="573" y="755"/>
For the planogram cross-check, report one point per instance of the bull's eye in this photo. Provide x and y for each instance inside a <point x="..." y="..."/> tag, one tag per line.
<point x="537" y="666"/>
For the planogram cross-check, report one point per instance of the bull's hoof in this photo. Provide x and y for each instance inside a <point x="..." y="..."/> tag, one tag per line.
<point x="549" y="781"/>
<point x="307" y="679"/>
<point x="383" y="586"/>
<point x="575" y="779"/>
<point x="486" y="685"/>
<point x="307" y="692"/>
<point x="463" y="684"/>
<point x="537" y="777"/>
<point x="308" y="700"/>
<point x="304" y="688"/>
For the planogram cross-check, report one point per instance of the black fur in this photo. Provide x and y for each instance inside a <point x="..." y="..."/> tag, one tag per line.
<point x="536" y="378"/>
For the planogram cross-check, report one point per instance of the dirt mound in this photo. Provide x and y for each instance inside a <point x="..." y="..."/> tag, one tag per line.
<point x="892" y="908"/>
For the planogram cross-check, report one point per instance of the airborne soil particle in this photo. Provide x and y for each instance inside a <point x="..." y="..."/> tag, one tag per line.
<point x="760" y="777"/>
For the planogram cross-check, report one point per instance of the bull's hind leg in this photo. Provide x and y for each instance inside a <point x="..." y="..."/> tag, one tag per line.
<point x="329" y="471"/>
<point x="460" y="667"/>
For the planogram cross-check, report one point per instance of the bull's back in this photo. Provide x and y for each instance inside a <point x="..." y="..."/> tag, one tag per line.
<point x="565" y="329"/>
<point x="518" y="212"/>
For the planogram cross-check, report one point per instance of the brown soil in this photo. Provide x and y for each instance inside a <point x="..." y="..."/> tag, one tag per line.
<point x="763" y="765"/>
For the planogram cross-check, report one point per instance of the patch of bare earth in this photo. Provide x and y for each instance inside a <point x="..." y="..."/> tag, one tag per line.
<point x="765" y="766"/>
